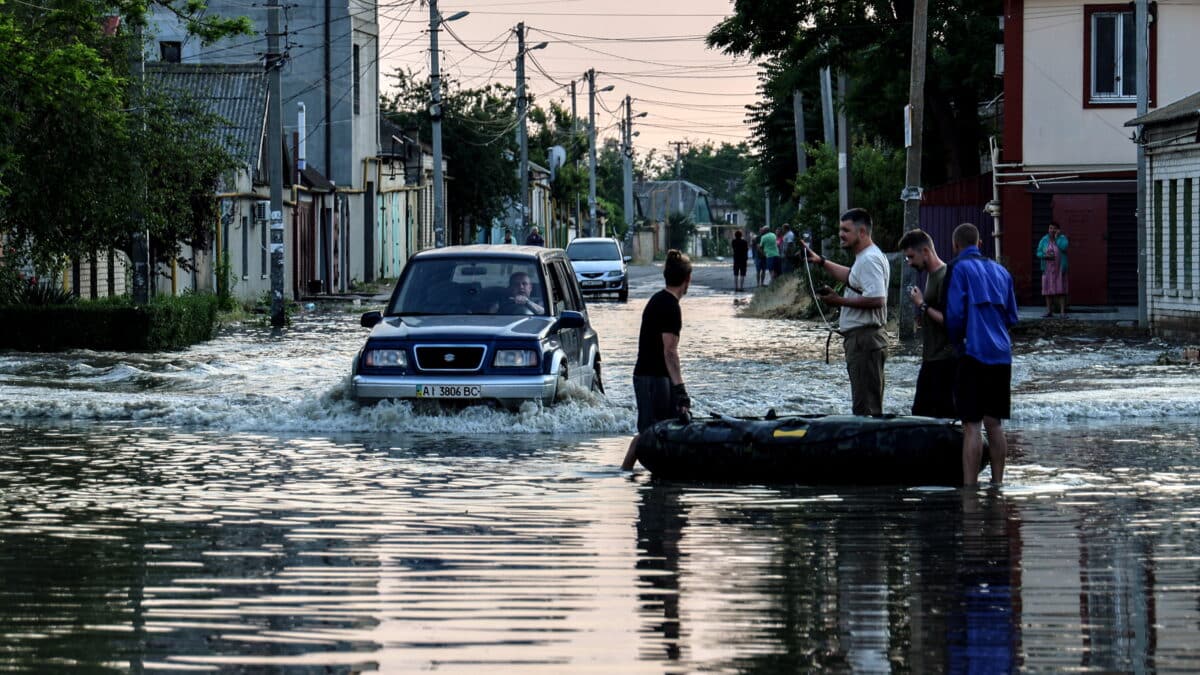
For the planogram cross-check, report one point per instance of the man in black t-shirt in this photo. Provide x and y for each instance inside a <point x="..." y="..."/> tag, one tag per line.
<point x="741" y="254"/>
<point x="657" y="378"/>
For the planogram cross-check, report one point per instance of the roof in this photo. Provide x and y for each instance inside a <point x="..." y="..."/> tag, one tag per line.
<point x="491" y="251"/>
<point x="1184" y="108"/>
<point x="236" y="92"/>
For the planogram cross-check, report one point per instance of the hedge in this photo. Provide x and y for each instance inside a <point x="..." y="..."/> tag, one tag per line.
<point x="114" y="325"/>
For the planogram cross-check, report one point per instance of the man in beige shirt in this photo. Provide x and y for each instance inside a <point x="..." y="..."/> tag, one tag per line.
<point x="864" y="309"/>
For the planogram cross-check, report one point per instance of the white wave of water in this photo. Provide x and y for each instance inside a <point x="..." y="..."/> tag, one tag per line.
<point x="251" y="378"/>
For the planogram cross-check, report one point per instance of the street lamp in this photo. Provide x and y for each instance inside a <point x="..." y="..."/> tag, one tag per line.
<point x="522" y="132"/>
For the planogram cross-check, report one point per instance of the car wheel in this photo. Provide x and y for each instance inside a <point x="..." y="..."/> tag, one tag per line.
<point x="623" y="296"/>
<point x="597" y="382"/>
<point x="560" y="389"/>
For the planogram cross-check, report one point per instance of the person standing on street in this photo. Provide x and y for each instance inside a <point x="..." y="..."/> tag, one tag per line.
<point x="935" y="382"/>
<point x="787" y="249"/>
<point x="768" y="243"/>
<point x="741" y="252"/>
<point x="534" y="239"/>
<point x="1052" y="251"/>
<point x="864" y="309"/>
<point x="760" y="262"/>
<point x="657" y="378"/>
<point x="981" y="306"/>
<point x="508" y="236"/>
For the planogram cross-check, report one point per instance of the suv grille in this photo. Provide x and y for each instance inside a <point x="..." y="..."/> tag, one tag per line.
<point x="591" y="275"/>
<point x="460" y="358"/>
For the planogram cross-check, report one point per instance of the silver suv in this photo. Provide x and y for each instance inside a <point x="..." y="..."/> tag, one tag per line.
<point x="599" y="266"/>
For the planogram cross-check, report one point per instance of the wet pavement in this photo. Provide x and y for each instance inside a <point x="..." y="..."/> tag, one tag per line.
<point x="227" y="509"/>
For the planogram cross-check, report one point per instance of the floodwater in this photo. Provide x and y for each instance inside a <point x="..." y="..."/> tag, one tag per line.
<point x="225" y="509"/>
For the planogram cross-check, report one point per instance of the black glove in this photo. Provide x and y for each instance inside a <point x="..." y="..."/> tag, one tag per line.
<point x="679" y="396"/>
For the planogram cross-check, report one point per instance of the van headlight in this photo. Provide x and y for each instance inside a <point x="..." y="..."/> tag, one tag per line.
<point x="386" y="358"/>
<point x="616" y="273"/>
<point x="515" y="358"/>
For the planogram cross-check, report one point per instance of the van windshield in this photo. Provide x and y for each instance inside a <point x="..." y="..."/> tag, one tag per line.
<point x="593" y="250"/>
<point x="446" y="286"/>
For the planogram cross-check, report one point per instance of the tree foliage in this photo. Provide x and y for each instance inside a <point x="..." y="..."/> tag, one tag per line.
<point x="82" y="153"/>
<point x="870" y="41"/>
<point x="479" y="134"/>
<point x="877" y="175"/>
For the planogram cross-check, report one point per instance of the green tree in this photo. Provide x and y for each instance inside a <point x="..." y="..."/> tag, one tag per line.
<point x="877" y="174"/>
<point x="870" y="40"/>
<point x="719" y="169"/>
<point x="76" y="163"/>
<point x="478" y="132"/>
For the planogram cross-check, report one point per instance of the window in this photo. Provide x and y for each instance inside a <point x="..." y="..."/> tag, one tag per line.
<point x="1173" y="233"/>
<point x="1157" y="233"/>
<point x="1110" y="56"/>
<point x="357" y="81"/>
<point x="265" y="269"/>
<point x="1187" y="233"/>
<point x="170" y="52"/>
<point x="245" y="247"/>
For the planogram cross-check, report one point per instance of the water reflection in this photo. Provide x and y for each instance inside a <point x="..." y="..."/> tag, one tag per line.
<point x="926" y="582"/>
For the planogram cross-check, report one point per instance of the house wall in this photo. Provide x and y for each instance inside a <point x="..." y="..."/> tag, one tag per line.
<point x="352" y="137"/>
<point x="1058" y="131"/>
<point x="1173" y="232"/>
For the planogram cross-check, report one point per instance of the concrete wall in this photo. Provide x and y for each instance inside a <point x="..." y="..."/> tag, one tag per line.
<point x="1058" y="130"/>
<point x="1173" y="248"/>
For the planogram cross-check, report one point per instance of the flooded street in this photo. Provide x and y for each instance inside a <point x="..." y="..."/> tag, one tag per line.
<point x="227" y="509"/>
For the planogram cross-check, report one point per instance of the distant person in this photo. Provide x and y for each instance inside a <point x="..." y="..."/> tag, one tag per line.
<point x="1052" y="251"/>
<point x="787" y="249"/>
<point x="939" y="367"/>
<point x="864" y="313"/>
<point x="981" y="306"/>
<point x="741" y="251"/>
<point x="534" y="239"/>
<point x="769" y="244"/>
<point x="520" y="300"/>
<point x="508" y="236"/>
<point x="657" y="378"/>
<point x="760" y="261"/>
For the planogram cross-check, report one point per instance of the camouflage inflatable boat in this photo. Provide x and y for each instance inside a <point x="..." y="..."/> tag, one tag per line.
<point x="816" y="449"/>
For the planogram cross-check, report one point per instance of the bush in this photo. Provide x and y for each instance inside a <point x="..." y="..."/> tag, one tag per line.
<point x="113" y="324"/>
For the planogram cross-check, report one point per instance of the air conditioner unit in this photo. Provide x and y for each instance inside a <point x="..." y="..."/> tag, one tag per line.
<point x="261" y="210"/>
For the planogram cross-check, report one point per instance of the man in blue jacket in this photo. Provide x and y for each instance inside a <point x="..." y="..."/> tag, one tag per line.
<point x="981" y="306"/>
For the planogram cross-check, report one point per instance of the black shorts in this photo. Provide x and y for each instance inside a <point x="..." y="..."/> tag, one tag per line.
<point x="773" y="265"/>
<point x="935" y="389"/>
<point x="739" y="267"/>
<point x="653" y="395"/>
<point x="983" y="390"/>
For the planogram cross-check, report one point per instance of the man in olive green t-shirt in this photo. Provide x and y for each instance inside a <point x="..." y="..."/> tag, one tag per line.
<point x="939" y="365"/>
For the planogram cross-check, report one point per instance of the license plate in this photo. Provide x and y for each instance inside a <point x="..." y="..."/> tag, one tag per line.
<point x="449" y="391"/>
<point x="593" y="284"/>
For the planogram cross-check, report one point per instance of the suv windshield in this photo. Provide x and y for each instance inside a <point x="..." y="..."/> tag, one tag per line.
<point x="470" y="286"/>
<point x="593" y="250"/>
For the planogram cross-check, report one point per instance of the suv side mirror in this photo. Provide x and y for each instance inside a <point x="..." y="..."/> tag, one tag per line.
<point x="570" y="319"/>
<point x="369" y="319"/>
<point x="628" y="259"/>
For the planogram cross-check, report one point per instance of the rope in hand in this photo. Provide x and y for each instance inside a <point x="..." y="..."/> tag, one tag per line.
<point x="812" y="287"/>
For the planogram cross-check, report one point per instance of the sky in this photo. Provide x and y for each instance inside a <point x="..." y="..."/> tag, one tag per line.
<point x="652" y="51"/>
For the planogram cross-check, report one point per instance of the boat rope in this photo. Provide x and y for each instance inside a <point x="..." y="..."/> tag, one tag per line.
<point x="812" y="288"/>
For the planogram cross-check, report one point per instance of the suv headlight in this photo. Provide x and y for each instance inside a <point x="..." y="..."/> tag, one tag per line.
<point x="386" y="358"/>
<point x="616" y="273"/>
<point x="515" y="358"/>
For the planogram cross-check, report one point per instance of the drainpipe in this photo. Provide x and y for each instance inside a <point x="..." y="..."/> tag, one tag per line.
<point x="993" y="207"/>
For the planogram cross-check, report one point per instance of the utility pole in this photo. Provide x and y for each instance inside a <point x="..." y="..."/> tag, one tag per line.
<point x="913" y="125"/>
<point x="679" y="145"/>
<point x="274" y="61"/>
<point x="1141" y="23"/>
<point x="798" y="118"/>
<point x="843" y="136"/>
<point x="139" y="245"/>
<point x="767" y="207"/>
<point x="827" y="105"/>
<point x="591" y="222"/>
<point x="574" y="135"/>
<point x="435" y="116"/>
<point x="591" y="78"/>
<point x="522" y="135"/>
<point x="627" y="163"/>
